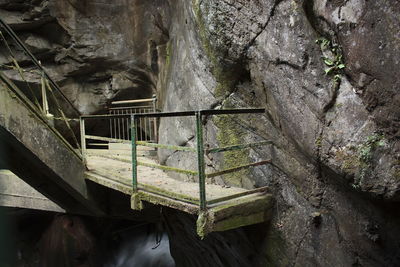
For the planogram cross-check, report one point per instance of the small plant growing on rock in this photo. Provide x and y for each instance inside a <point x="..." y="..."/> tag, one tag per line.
<point x="365" y="153"/>
<point x="333" y="58"/>
<point x="366" y="149"/>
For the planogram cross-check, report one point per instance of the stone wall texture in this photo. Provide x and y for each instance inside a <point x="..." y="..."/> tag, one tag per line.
<point x="327" y="73"/>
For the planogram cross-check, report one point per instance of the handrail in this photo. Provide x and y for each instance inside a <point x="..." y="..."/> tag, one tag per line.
<point x="180" y="113"/>
<point x="119" y="127"/>
<point x="36" y="62"/>
<point x="14" y="89"/>
<point x="133" y="101"/>
<point x="48" y="92"/>
<point x="199" y="149"/>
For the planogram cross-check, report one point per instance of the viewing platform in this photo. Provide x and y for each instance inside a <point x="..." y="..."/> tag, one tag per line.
<point x="132" y="168"/>
<point x="40" y="145"/>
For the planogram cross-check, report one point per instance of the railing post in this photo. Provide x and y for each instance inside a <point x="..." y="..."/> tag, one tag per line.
<point x="83" y="138"/>
<point x="200" y="160"/>
<point x="155" y="120"/>
<point x="134" y="158"/>
<point x="45" y="104"/>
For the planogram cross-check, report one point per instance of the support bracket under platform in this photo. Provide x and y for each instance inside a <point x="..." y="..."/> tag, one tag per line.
<point x="232" y="214"/>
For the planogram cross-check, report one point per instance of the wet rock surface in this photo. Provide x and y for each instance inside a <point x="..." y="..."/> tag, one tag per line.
<point x="336" y="136"/>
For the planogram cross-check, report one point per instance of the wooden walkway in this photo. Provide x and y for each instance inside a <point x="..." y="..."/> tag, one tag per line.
<point x="113" y="169"/>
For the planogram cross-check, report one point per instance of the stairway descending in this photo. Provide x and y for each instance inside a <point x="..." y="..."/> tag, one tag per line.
<point x="31" y="143"/>
<point x="35" y="151"/>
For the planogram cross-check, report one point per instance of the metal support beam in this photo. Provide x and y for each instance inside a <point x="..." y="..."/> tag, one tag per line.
<point x="155" y="120"/>
<point x="83" y="138"/>
<point x="200" y="160"/>
<point x="163" y="146"/>
<point x="237" y="168"/>
<point x="134" y="156"/>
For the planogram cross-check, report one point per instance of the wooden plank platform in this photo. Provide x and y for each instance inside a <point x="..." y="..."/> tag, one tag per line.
<point x="113" y="168"/>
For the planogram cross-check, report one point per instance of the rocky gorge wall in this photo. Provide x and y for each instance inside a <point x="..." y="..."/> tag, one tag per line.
<point x="326" y="72"/>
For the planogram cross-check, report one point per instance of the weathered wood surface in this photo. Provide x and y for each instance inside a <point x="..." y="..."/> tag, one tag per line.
<point x="115" y="165"/>
<point x="113" y="169"/>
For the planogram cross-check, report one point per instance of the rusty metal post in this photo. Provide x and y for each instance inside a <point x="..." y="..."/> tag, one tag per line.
<point x="45" y="103"/>
<point x="83" y="138"/>
<point x="134" y="155"/>
<point x="200" y="161"/>
<point x="155" y="120"/>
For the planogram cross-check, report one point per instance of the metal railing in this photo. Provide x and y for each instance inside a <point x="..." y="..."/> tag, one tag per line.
<point x="21" y="69"/>
<point x="120" y="127"/>
<point x="200" y="149"/>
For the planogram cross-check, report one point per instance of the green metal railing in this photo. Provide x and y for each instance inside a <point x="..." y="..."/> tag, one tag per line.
<point x="120" y="128"/>
<point x="21" y="70"/>
<point x="199" y="149"/>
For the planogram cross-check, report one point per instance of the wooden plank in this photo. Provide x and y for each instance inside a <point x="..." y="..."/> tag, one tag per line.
<point x="226" y="198"/>
<point x="238" y="212"/>
<point x="118" y="183"/>
<point x="168" y="202"/>
<point x="167" y="168"/>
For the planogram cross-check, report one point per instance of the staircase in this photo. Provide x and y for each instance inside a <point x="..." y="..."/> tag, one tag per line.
<point x="30" y="144"/>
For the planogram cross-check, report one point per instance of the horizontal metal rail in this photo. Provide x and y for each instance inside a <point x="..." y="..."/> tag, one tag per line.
<point x="106" y="116"/>
<point x="146" y="127"/>
<point x="132" y="101"/>
<point x="101" y="138"/>
<point x="136" y="118"/>
<point x="36" y="62"/>
<point x="130" y="107"/>
<point x="170" y="147"/>
<point x="178" y="113"/>
<point x="167" y="168"/>
<point x="202" y="112"/>
<point x="226" y="171"/>
<point x="236" y="147"/>
<point x="12" y="87"/>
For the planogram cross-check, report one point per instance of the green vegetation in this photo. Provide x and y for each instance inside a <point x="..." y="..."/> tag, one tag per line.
<point x="204" y="224"/>
<point x="168" y="54"/>
<point x="366" y="149"/>
<point x="334" y="60"/>
<point x="318" y="141"/>
<point x="225" y="82"/>
<point x="360" y="158"/>
<point x="365" y="153"/>
<point x="230" y="133"/>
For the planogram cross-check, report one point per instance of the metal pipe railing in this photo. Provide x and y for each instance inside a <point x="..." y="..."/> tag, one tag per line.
<point x="35" y="61"/>
<point x="48" y="91"/>
<point x="120" y="126"/>
<point x="200" y="148"/>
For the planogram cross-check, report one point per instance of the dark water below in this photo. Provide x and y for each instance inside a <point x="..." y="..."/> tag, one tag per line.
<point x="43" y="239"/>
<point x="140" y="247"/>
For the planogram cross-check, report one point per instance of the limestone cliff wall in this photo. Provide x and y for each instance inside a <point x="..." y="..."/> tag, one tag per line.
<point x="326" y="71"/>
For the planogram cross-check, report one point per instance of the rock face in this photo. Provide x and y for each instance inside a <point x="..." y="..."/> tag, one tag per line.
<point x="326" y="71"/>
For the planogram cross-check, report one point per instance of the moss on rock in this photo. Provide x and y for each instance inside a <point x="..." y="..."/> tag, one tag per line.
<point x="230" y="133"/>
<point x="225" y="79"/>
